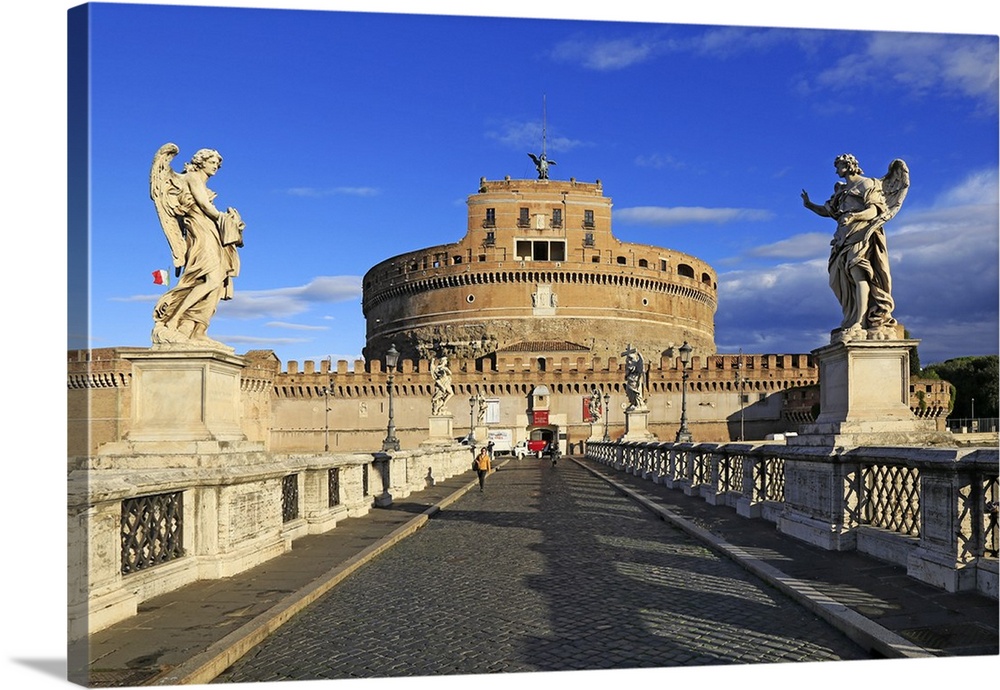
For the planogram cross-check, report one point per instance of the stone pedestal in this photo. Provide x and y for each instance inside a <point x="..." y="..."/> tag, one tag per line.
<point x="383" y="463"/>
<point x="864" y="398"/>
<point x="185" y="395"/>
<point x="440" y="427"/>
<point x="637" y="426"/>
<point x="480" y="434"/>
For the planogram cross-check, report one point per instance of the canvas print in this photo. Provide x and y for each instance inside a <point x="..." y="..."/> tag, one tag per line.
<point x="416" y="346"/>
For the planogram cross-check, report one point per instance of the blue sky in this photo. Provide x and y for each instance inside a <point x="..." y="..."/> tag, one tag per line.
<point x="350" y="137"/>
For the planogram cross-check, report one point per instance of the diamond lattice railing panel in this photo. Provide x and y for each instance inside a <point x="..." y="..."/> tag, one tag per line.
<point x="892" y="498"/>
<point x="151" y="531"/>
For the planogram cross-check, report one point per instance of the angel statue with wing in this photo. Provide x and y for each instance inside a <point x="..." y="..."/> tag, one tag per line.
<point x="203" y="242"/>
<point x="859" y="259"/>
<point x="542" y="164"/>
<point x="635" y="379"/>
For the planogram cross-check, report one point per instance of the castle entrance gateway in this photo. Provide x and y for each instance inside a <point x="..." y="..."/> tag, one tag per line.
<point x="543" y="426"/>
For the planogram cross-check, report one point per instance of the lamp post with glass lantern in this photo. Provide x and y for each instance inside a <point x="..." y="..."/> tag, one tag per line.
<point x="391" y="358"/>
<point x="607" y="413"/>
<point x="326" y="419"/>
<point x="472" y="420"/>
<point x="683" y="435"/>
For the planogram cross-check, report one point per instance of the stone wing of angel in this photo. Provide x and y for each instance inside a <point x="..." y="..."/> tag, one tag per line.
<point x="895" y="184"/>
<point x="164" y="190"/>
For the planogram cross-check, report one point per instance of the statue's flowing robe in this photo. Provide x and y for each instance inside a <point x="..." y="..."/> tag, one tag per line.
<point x="205" y="254"/>
<point x="861" y="244"/>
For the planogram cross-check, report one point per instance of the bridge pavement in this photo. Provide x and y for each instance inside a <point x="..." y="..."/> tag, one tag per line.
<point x="550" y="568"/>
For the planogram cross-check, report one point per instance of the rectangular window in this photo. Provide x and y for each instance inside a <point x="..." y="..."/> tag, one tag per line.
<point x="588" y="239"/>
<point x="557" y="217"/>
<point x="491" y="218"/>
<point x="523" y="218"/>
<point x="540" y="250"/>
<point x="492" y="411"/>
<point x="588" y="219"/>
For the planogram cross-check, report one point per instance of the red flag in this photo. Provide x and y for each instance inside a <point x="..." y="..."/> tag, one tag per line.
<point x="161" y="277"/>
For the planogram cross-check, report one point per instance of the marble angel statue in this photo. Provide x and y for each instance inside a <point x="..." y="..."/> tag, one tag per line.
<point x="859" y="258"/>
<point x="635" y="370"/>
<point x="203" y="242"/>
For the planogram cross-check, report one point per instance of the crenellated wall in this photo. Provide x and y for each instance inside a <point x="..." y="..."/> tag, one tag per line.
<point x="308" y="406"/>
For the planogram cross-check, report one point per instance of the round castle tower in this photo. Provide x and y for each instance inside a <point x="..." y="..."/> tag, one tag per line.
<point x="538" y="268"/>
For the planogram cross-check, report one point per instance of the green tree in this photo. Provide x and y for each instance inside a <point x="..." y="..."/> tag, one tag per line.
<point x="972" y="378"/>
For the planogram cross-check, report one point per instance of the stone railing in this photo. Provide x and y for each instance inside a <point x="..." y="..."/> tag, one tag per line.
<point x="142" y="523"/>
<point x="933" y="511"/>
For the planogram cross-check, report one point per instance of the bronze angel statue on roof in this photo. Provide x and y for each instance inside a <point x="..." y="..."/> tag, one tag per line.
<point x="203" y="242"/>
<point x="542" y="164"/>
<point x="859" y="258"/>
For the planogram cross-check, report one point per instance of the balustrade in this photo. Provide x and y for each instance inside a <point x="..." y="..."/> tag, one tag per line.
<point x="933" y="510"/>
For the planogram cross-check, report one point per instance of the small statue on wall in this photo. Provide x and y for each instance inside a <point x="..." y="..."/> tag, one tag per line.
<point x="859" y="258"/>
<point x="594" y="407"/>
<point x="635" y="371"/>
<point x="443" y="390"/>
<point x="203" y="242"/>
<point x="480" y="409"/>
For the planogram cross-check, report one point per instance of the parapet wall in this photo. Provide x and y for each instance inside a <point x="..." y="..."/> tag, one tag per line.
<point x="306" y="406"/>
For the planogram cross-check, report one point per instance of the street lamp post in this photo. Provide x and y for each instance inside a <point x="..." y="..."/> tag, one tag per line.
<point x="326" y="419"/>
<point x="683" y="435"/>
<point x="607" y="413"/>
<point x="472" y="420"/>
<point x="740" y="380"/>
<point x="391" y="358"/>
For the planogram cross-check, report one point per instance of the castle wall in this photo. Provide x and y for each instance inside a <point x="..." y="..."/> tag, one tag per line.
<point x="285" y="406"/>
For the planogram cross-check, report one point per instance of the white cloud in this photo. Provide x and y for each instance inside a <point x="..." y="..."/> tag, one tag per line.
<point x="805" y="246"/>
<point x="678" y="215"/>
<point x="284" y="302"/>
<point x="528" y="136"/>
<point x="605" y="55"/>
<point x="295" y="326"/>
<point x="657" y="160"/>
<point x="922" y="64"/>
<point x="317" y="192"/>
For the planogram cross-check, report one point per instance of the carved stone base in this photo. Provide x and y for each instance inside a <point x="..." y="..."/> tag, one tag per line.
<point x="440" y="427"/>
<point x="185" y="395"/>
<point x="637" y="426"/>
<point x="864" y="396"/>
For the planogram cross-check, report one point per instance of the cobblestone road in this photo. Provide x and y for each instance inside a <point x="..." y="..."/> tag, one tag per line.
<point x="549" y="569"/>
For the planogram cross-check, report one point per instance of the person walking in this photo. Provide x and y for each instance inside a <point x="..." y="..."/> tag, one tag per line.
<point x="483" y="467"/>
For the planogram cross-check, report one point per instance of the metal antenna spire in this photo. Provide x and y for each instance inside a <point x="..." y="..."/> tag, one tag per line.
<point x="542" y="162"/>
<point x="543" y="124"/>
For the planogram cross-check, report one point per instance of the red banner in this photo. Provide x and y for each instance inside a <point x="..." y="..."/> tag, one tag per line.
<point x="540" y="417"/>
